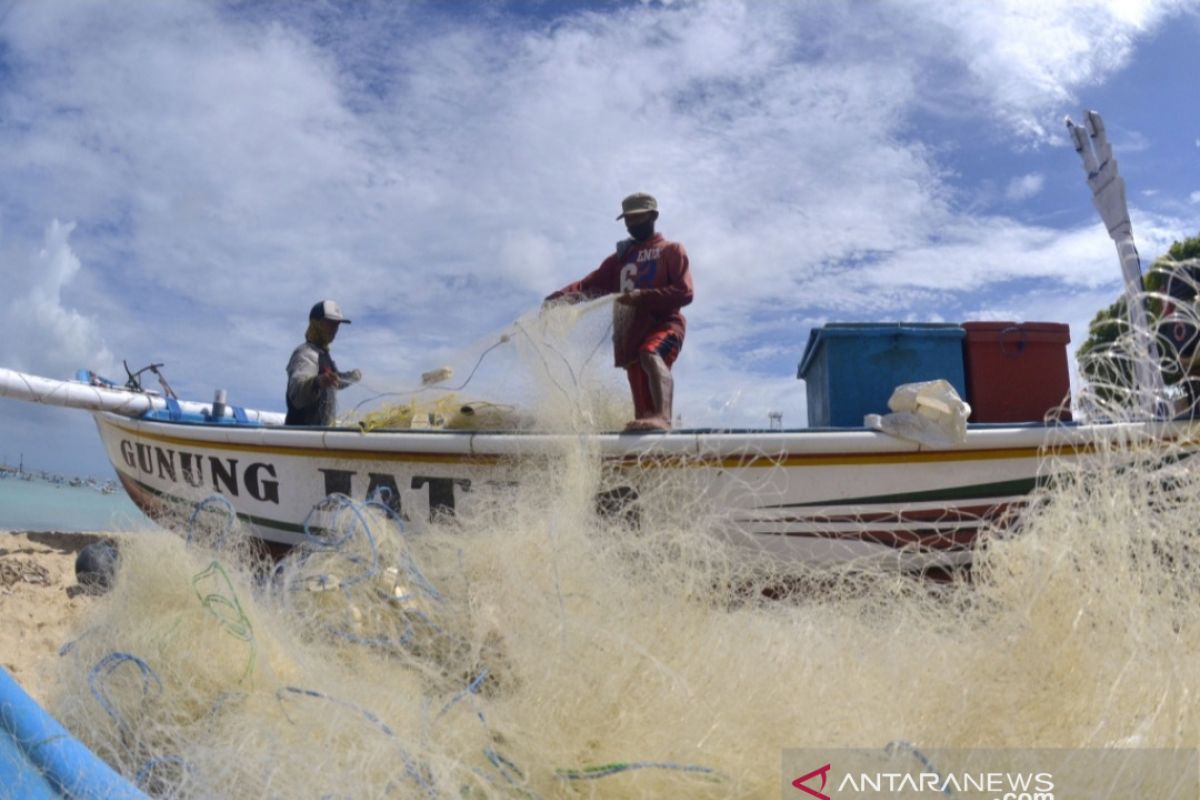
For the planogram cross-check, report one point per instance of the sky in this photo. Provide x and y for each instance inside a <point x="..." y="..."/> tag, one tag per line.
<point x="180" y="181"/>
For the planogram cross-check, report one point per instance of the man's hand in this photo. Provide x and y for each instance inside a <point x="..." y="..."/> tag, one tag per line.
<point x="353" y="376"/>
<point x="630" y="298"/>
<point x="555" y="298"/>
<point x="327" y="378"/>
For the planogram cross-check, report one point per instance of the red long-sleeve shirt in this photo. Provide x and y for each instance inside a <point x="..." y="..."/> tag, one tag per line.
<point x="658" y="269"/>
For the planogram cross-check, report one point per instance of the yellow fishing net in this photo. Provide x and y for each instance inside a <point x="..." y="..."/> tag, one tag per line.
<point x="449" y="411"/>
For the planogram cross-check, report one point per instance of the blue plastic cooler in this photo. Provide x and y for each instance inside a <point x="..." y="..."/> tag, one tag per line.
<point x="851" y="369"/>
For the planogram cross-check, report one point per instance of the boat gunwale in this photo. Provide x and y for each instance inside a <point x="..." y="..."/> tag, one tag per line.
<point x="731" y="447"/>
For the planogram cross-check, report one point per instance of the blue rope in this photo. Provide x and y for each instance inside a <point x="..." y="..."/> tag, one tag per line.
<point x="69" y="647"/>
<point x="502" y="765"/>
<point x="422" y="583"/>
<point x="895" y="747"/>
<point x="339" y="505"/>
<point x="472" y="688"/>
<point x="105" y="667"/>
<point x="379" y="498"/>
<point x="382" y="642"/>
<point x="410" y="767"/>
<point x="219" y="704"/>
<point x="499" y="762"/>
<point x="321" y="537"/>
<point x="404" y="643"/>
<point x="230" y="519"/>
<point x="321" y="695"/>
<point x="605" y="770"/>
<point x="328" y="528"/>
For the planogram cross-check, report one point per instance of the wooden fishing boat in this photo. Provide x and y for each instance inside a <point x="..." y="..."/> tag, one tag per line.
<point x="810" y="495"/>
<point x="815" y="495"/>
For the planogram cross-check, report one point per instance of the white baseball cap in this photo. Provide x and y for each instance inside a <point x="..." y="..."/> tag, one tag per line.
<point x="328" y="309"/>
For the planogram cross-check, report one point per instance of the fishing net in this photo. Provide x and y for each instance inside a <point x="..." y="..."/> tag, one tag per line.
<point x="448" y="412"/>
<point x="561" y="636"/>
<point x="550" y="371"/>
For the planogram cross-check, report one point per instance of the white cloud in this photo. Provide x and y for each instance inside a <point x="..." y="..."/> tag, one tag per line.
<point x="38" y="332"/>
<point x="1024" y="61"/>
<point x="1194" y="197"/>
<point x="1024" y="187"/>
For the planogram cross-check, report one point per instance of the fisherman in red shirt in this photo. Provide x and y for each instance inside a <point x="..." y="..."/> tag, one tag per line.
<point x="651" y="275"/>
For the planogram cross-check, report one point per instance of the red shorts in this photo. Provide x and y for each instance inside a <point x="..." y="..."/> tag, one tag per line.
<point x="665" y="344"/>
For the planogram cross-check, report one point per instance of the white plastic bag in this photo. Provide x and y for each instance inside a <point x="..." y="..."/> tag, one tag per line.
<point x="928" y="412"/>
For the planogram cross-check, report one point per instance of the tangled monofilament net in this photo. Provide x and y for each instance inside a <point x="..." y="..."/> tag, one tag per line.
<point x="553" y="369"/>
<point x="528" y="647"/>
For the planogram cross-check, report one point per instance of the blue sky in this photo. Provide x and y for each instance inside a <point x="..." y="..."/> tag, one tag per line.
<point x="179" y="182"/>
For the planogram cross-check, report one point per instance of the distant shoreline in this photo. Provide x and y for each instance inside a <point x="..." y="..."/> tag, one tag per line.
<point x="55" y="532"/>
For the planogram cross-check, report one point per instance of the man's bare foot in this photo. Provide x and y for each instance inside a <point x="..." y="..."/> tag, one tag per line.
<point x="648" y="424"/>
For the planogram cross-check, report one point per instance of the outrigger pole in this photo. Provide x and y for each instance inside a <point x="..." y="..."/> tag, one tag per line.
<point x="118" y="400"/>
<point x="1108" y="194"/>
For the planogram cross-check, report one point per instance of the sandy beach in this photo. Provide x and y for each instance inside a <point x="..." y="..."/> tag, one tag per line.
<point x="40" y="598"/>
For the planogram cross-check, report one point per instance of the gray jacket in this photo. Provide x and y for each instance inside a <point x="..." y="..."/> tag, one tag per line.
<point x="308" y="402"/>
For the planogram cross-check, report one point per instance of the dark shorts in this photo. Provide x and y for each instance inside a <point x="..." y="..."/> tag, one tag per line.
<point x="664" y="343"/>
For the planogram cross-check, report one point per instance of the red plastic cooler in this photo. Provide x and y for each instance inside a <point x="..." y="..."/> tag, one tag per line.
<point x="1016" y="372"/>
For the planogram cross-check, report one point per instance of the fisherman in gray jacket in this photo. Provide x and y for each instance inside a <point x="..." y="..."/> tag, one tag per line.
<point x="313" y="378"/>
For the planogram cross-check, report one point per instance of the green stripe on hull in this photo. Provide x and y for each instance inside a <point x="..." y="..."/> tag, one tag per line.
<point x="981" y="491"/>
<point x="250" y="519"/>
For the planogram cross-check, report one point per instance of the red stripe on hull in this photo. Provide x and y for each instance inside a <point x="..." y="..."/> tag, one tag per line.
<point x="978" y="513"/>
<point x="918" y="539"/>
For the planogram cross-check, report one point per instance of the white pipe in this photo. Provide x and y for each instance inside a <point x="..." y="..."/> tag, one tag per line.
<point x="1151" y="390"/>
<point x="74" y="394"/>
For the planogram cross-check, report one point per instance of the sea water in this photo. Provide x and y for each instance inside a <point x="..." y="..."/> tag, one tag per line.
<point x="36" y="505"/>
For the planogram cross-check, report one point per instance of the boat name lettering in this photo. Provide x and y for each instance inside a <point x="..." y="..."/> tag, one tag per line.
<point x="441" y="489"/>
<point x="258" y="478"/>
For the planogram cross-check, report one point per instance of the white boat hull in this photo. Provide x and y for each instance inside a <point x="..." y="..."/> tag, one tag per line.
<point x="817" y="496"/>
